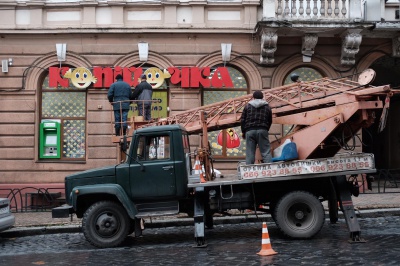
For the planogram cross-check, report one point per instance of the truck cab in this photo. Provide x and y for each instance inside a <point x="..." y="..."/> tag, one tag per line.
<point x="152" y="181"/>
<point x="156" y="164"/>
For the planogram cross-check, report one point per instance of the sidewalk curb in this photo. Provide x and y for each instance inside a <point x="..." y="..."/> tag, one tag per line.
<point x="57" y="229"/>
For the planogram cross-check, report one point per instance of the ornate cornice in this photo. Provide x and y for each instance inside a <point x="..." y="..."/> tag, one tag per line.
<point x="396" y="46"/>
<point x="309" y="42"/>
<point x="350" y="47"/>
<point x="269" y="40"/>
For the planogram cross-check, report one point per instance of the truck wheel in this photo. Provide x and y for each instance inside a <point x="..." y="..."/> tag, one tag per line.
<point x="105" y="224"/>
<point x="299" y="214"/>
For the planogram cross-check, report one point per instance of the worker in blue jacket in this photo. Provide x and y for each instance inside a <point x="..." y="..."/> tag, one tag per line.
<point x="119" y="95"/>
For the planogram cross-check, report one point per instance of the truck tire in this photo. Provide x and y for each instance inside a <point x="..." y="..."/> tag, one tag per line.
<point x="105" y="224"/>
<point x="299" y="214"/>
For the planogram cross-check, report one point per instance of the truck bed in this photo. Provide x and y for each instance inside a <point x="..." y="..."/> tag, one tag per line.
<point x="343" y="164"/>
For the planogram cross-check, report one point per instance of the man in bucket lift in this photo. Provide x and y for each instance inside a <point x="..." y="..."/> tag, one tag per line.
<point x="120" y="94"/>
<point x="144" y="93"/>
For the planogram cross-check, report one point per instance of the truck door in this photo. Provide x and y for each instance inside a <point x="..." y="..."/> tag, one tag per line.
<point x="153" y="175"/>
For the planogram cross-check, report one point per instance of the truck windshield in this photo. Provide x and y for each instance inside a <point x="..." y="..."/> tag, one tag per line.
<point x="153" y="148"/>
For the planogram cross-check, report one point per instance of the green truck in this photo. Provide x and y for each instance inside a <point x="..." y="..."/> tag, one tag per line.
<point x="157" y="178"/>
<point x="161" y="175"/>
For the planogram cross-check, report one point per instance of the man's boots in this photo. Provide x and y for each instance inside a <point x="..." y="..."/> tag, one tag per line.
<point x="117" y="131"/>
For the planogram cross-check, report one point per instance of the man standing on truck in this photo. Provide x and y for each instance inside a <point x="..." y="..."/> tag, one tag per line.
<point x="120" y="94"/>
<point x="144" y="93"/>
<point x="256" y="121"/>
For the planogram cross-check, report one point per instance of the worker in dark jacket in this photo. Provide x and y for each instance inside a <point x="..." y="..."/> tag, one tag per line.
<point x="120" y="94"/>
<point x="144" y="93"/>
<point x="256" y="121"/>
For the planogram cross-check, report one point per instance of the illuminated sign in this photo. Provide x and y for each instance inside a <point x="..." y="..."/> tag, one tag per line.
<point x="187" y="77"/>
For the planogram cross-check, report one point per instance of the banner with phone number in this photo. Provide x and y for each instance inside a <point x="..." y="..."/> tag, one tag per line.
<point x="363" y="161"/>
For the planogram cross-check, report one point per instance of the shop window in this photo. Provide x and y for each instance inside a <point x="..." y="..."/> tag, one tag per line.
<point x="68" y="106"/>
<point x="305" y="74"/>
<point x="228" y="142"/>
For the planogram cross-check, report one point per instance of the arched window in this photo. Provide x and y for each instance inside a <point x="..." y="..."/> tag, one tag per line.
<point x="305" y="74"/>
<point x="227" y="142"/>
<point x="67" y="106"/>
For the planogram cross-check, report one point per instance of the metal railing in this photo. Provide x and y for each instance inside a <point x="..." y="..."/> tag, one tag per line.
<point x="32" y="198"/>
<point x="388" y="179"/>
<point x="133" y="110"/>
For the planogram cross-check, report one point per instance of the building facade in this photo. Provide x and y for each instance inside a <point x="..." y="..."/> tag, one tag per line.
<point x="260" y="43"/>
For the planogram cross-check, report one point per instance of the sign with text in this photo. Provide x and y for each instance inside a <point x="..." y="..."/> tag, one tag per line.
<point x="158" y="108"/>
<point x="363" y="161"/>
<point x="103" y="77"/>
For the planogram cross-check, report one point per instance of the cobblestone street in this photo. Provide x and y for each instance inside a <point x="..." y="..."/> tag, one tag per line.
<point x="227" y="244"/>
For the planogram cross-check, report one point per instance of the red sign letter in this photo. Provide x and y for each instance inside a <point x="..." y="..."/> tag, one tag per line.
<point x="55" y="78"/>
<point x="179" y="76"/>
<point x="128" y="75"/>
<point x="225" y="79"/>
<point x="98" y="72"/>
<point x="199" y="76"/>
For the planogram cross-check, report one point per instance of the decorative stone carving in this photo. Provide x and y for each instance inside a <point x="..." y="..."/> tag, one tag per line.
<point x="308" y="47"/>
<point x="396" y="46"/>
<point x="350" y="47"/>
<point x="269" y="40"/>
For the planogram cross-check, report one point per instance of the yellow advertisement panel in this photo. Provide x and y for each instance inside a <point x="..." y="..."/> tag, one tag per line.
<point x="158" y="108"/>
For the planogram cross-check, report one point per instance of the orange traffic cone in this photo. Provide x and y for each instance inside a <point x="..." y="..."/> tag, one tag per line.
<point x="202" y="179"/>
<point x="266" y="248"/>
<point x="198" y="170"/>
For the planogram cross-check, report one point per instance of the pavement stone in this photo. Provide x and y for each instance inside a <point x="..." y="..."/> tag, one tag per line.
<point x="31" y="223"/>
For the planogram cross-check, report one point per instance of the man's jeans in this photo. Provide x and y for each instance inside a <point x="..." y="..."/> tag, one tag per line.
<point x="260" y="137"/>
<point x="147" y="111"/>
<point x="118" y="121"/>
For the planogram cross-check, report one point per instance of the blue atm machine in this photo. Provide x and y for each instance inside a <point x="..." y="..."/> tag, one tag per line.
<point x="50" y="136"/>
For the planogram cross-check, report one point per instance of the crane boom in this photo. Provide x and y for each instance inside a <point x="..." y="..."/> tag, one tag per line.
<point x="288" y="103"/>
<point x="326" y="114"/>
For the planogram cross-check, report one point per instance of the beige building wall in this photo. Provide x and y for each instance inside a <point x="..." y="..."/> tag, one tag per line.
<point x="178" y="33"/>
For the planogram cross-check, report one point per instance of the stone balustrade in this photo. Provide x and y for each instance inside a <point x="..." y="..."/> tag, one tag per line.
<point x="312" y="9"/>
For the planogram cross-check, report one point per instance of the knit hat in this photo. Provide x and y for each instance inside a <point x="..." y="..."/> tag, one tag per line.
<point x="258" y="95"/>
<point x="143" y="76"/>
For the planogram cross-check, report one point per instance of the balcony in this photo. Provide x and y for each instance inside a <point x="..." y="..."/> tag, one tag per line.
<point x="351" y="20"/>
<point x="330" y="10"/>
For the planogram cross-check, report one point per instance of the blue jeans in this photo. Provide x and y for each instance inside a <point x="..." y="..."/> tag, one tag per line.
<point x="118" y="120"/>
<point x="260" y="137"/>
<point x="147" y="111"/>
